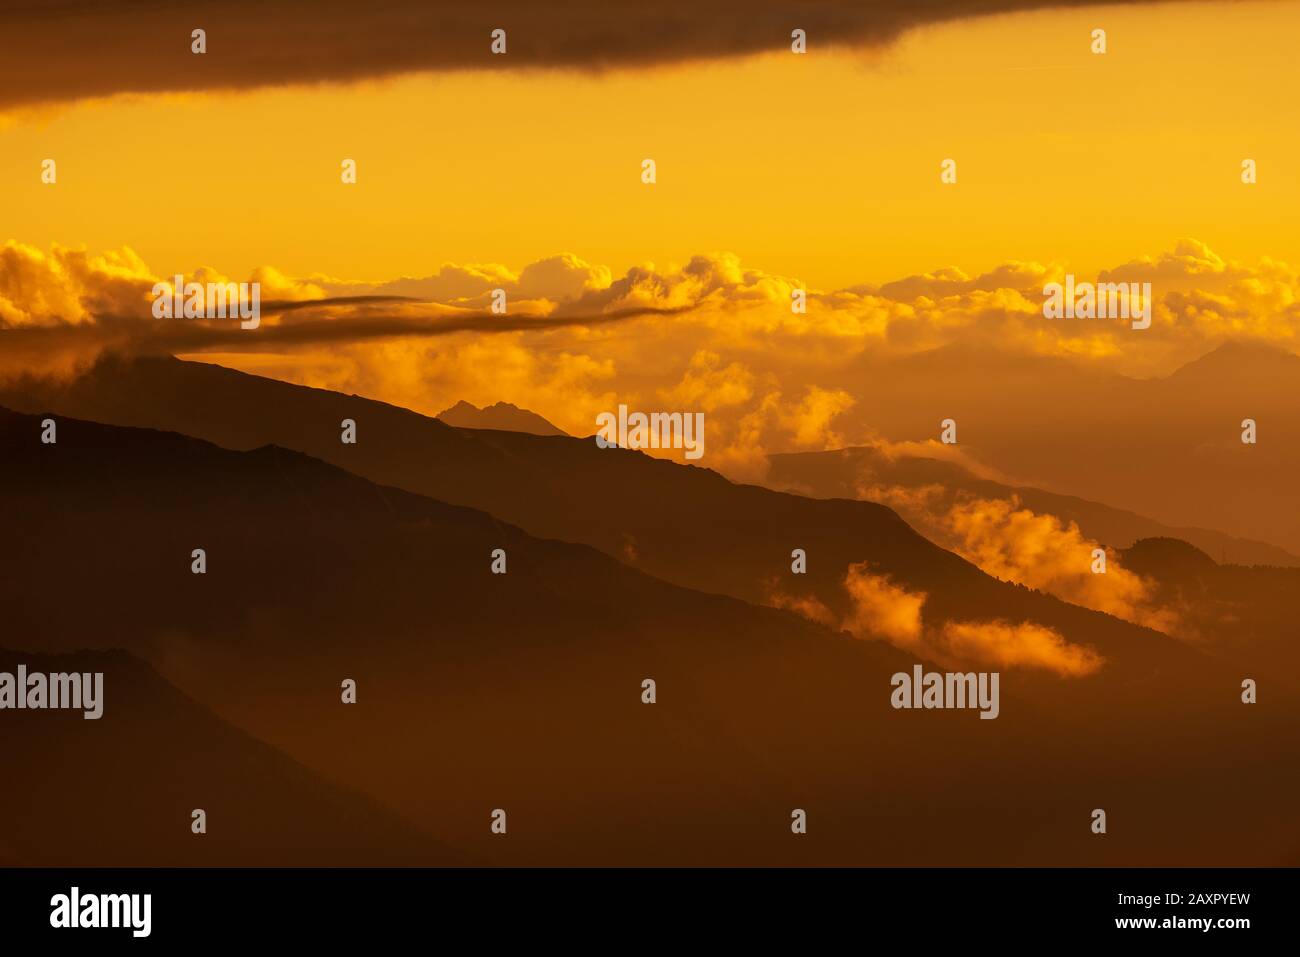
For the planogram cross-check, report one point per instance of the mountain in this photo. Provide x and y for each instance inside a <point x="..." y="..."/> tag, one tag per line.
<point x="1168" y="560"/>
<point x="119" y="790"/>
<point x="683" y="524"/>
<point x="500" y="415"/>
<point x="1074" y="429"/>
<point x="1252" y="368"/>
<point x="923" y="488"/>
<point x="523" y="691"/>
<point x="1240" y="614"/>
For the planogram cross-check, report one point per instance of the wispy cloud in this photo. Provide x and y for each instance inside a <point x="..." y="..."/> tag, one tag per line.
<point x="882" y="610"/>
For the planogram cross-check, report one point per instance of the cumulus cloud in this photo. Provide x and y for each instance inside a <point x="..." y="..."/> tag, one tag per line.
<point x="547" y="282"/>
<point x="713" y="279"/>
<point x="809" y="420"/>
<point x="1201" y="299"/>
<point x="951" y="281"/>
<point x="713" y="335"/>
<point x="707" y="385"/>
<point x="1189" y="259"/>
<point x="68" y="286"/>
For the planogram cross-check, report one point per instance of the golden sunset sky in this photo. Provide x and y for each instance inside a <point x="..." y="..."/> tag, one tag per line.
<point x="822" y="167"/>
<point x="775" y="171"/>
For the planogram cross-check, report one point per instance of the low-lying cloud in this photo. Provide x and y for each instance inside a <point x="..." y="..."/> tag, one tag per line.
<point x="1039" y="551"/>
<point x="884" y="610"/>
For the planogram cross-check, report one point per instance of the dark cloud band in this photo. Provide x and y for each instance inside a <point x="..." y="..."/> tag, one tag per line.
<point x="67" y="49"/>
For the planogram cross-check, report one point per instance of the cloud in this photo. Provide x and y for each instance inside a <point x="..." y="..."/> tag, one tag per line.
<point x="60" y="50"/>
<point x="429" y="376"/>
<point x="70" y="299"/>
<point x="808" y="606"/>
<point x="809" y="420"/>
<point x="884" y="610"/>
<point x="1189" y="259"/>
<point x="893" y="452"/>
<point x="1013" y="543"/>
<point x="910" y="500"/>
<point x="712" y="335"/>
<point x="707" y="385"/>
<point x="68" y="286"/>
<point x="1039" y="551"/>
<point x="951" y="281"/>
<point x="1023" y="645"/>
<point x="706" y="279"/>
<point x="1207" y="299"/>
<point x="548" y="281"/>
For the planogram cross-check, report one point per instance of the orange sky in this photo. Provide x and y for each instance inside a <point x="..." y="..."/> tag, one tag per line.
<point x="774" y="171"/>
<point x="822" y="167"/>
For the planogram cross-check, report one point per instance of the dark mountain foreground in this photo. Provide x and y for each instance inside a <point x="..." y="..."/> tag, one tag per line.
<point x="523" y="691"/>
<point x="684" y="524"/>
<point x="120" y="790"/>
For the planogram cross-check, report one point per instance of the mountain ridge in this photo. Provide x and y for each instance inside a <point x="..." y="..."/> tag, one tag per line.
<point x="503" y="416"/>
<point x="523" y="691"/>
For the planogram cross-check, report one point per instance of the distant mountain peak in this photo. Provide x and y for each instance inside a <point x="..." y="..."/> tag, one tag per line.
<point x="1249" y="347"/>
<point x="1241" y="356"/>
<point x="502" y="416"/>
<point x="1166" y="559"/>
<point x="461" y="407"/>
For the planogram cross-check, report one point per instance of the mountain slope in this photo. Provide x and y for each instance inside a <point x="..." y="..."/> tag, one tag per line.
<point x="936" y="485"/>
<point x="684" y="524"/>
<point x="1240" y="614"/>
<point x="523" y="691"/>
<point x="119" y="790"/>
<point x="1072" y="428"/>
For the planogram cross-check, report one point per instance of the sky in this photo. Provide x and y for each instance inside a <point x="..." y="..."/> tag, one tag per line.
<point x="776" y="172"/>
<point x="823" y="167"/>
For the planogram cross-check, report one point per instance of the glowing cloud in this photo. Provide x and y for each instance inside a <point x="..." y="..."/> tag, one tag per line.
<point x="882" y="609"/>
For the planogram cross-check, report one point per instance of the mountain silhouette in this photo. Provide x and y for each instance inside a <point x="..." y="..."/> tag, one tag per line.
<point x="1251" y="367"/>
<point x="1075" y="429"/>
<point x="119" y="790"/>
<point x="1244" y="615"/>
<point x="1167" y="559"/>
<point x="853" y="472"/>
<point x="523" y="691"/>
<point x="499" y="415"/>
<point x="684" y="524"/>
